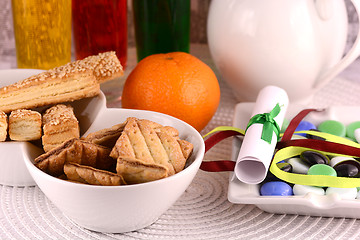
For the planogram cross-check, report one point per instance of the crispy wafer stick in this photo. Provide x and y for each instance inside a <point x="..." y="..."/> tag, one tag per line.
<point x="136" y="171"/>
<point x="75" y="151"/>
<point x="106" y="137"/>
<point x="89" y="175"/>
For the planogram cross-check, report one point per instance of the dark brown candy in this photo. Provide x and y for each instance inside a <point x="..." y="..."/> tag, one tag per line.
<point x="346" y="167"/>
<point x="347" y="170"/>
<point x="286" y="167"/>
<point x="313" y="157"/>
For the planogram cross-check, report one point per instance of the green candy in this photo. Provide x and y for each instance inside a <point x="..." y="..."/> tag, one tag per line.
<point x="322" y="169"/>
<point x="350" y="129"/>
<point x="333" y="127"/>
<point x="285" y="125"/>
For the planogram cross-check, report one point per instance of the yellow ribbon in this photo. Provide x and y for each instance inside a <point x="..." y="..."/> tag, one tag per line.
<point x="224" y="128"/>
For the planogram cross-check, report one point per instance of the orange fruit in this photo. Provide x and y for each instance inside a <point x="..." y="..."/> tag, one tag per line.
<point x="177" y="84"/>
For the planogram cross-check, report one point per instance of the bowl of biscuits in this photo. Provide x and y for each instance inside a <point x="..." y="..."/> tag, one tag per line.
<point x="26" y="93"/>
<point x="110" y="170"/>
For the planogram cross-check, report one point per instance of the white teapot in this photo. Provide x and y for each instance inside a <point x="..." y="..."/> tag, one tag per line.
<point x="296" y="45"/>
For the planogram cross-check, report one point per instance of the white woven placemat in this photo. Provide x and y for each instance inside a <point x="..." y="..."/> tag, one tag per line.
<point x="203" y="211"/>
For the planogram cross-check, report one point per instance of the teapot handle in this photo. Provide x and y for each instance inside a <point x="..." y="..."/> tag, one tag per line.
<point x="350" y="57"/>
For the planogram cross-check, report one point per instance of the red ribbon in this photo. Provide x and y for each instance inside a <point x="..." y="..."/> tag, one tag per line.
<point x="219" y="136"/>
<point x="321" y="145"/>
<point x="295" y="122"/>
<point x="220" y="165"/>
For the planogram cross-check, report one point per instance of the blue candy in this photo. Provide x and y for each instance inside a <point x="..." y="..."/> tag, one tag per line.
<point x="304" y="126"/>
<point x="276" y="188"/>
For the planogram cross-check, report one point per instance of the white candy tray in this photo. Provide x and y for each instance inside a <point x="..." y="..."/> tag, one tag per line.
<point x="310" y="204"/>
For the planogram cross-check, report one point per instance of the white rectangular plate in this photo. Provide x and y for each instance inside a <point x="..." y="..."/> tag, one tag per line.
<point x="310" y="204"/>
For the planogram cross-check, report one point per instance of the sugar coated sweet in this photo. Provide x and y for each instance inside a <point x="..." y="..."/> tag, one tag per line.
<point x="345" y="166"/>
<point x="322" y="169"/>
<point x="332" y="127"/>
<point x="313" y="157"/>
<point x="357" y="134"/>
<point x="344" y="193"/>
<point x="350" y="130"/>
<point x="301" y="190"/>
<point x="298" y="165"/>
<point x="304" y="126"/>
<point x="285" y="124"/>
<point x="276" y="188"/>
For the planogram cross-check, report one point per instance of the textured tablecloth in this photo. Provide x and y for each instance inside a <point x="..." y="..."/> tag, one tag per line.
<point x="203" y="211"/>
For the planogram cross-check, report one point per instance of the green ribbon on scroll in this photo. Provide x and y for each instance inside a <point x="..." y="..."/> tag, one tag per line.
<point x="268" y="122"/>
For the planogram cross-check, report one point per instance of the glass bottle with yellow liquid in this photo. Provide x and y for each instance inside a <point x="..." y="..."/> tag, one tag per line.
<point x="42" y="33"/>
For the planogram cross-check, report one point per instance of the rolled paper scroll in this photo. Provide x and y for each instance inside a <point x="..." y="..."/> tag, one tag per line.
<point x="261" y="135"/>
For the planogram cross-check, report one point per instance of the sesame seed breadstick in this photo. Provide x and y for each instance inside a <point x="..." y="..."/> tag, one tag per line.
<point x="105" y="66"/>
<point x="73" y="81"/>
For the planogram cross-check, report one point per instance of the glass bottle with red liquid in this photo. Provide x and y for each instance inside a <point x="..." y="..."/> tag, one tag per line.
<point x="100" y="26"/>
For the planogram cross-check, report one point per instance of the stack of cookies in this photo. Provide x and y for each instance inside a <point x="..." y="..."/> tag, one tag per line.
<point x="56" y="125"/>
<point x="135" y="151"/>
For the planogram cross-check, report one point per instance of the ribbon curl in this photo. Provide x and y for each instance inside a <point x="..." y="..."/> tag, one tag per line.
<point x="268" y="122"/>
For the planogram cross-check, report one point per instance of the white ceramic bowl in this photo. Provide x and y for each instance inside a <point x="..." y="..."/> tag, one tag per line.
<point x="105" y="209"/>
<point x="13" y="171"/>
<point x="119" y="209"/>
